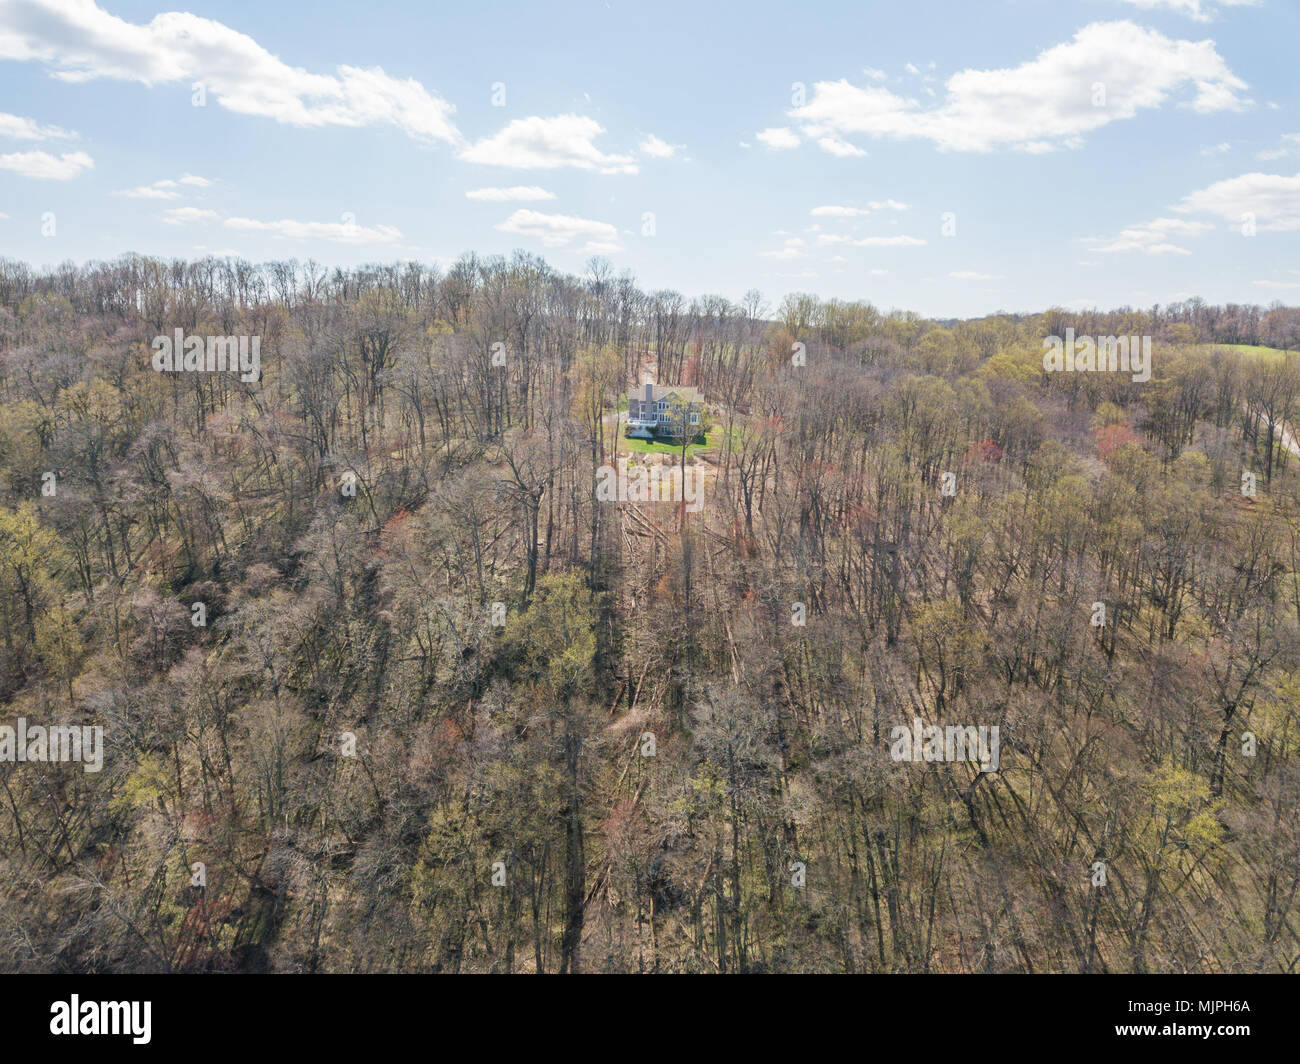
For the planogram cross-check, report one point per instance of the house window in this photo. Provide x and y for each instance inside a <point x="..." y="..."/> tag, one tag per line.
<point x="695" y="419"/>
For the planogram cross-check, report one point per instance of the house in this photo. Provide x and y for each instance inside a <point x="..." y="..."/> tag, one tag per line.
<point x="655" y="411"/>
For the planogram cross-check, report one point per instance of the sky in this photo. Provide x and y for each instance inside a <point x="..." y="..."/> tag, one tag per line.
<point x="942" y="156"/>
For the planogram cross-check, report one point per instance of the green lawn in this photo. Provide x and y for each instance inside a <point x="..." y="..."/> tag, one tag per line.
<point x="635" y="446"/>
<point x="713" y="441"/>
<point x="1272" y="353"/>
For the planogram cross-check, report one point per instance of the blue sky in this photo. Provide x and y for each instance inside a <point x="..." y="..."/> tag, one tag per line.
<point x="1080" y="152"/>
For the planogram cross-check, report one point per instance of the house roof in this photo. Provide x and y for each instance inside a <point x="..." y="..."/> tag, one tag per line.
<point x="662" y="391"/>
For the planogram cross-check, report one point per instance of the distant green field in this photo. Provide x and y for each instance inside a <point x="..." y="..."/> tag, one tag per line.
<point x="1251" y="349"/>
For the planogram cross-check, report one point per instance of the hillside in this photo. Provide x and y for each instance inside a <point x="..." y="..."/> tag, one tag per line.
<point x="385" y="686"/>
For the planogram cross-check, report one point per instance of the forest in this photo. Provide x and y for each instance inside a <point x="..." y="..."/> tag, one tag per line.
<point x="386" y="686"/>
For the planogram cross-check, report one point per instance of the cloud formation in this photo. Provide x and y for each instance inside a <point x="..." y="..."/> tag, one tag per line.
<point x="655" y="148"/>
<point x="1199" y="10"/>
<point x="1271" y="201"/>
<point x="514" y="194"/>
<point x="336" y="232"/>
<point x="1256" y="202"/>
<point x="166" y="189"/>
<point x="1109" y="72"/>
<point x="79" y="41"/>
<point x="288" y="228"/>
<point x="42" y="166"/>
<point x="1154" y="237"/>
<point x="188" y="215"/>
<point x="871" y="241"/>
<point x="778" y="138"/>
<point x="834" y="211"/>
<point x="20" y="128"/>
<point x="561" y="230"/>
<point x="538" y="143"/>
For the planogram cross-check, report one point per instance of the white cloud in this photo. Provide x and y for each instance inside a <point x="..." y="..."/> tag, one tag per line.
<point x="219" y="253"/>
<point x="888" y="242"/>
<point x="833" y="145"/>
<point x="871" y="241"/>
<point x="1272" y="199"/>
<point x="79" y="41"/>
<point x="42" y="166"/>
<point x="970" y="275"/>
<point x="1276" y="284"/>
<point x="1290" y="145"/>
<point x="560" y="230"/>
<point x="858" y="212"/>
<point x="337" y="232"/>
<point x="148" y="192"/>
<point x="793" y="249"/>
<point x="655" y="148"/>
<point x="514" y="194"/>
<point x="20" y="128"/>
<point x="1153" y="238"/>
<point x="1200" y="10"/>
<point x="1270" y="202"/>
<point x="1042" y="105"/>
<point x="777" y="139"/>
<point x="188" y="215"/>
<point x="288" y="228"/>
<point x="548" y="144"/>
<point x="166" y="189"/>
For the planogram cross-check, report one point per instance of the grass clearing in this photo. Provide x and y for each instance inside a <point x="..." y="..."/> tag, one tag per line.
<point x="1253" y="350"/>
<point x="713" y="441"/>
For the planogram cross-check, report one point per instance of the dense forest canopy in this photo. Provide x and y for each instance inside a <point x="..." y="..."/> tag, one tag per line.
<point x="383" y="686"/>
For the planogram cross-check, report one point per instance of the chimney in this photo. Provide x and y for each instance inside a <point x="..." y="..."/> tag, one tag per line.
<point x="649" y="396"/>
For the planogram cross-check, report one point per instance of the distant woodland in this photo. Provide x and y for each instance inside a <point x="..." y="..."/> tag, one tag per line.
<point x="466" y="718"/>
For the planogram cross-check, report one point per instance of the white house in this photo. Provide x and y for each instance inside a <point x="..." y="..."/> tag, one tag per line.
<point x="650" y="411"/>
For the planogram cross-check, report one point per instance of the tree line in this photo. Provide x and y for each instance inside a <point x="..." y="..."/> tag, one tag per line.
<point x="445" y="711"/>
